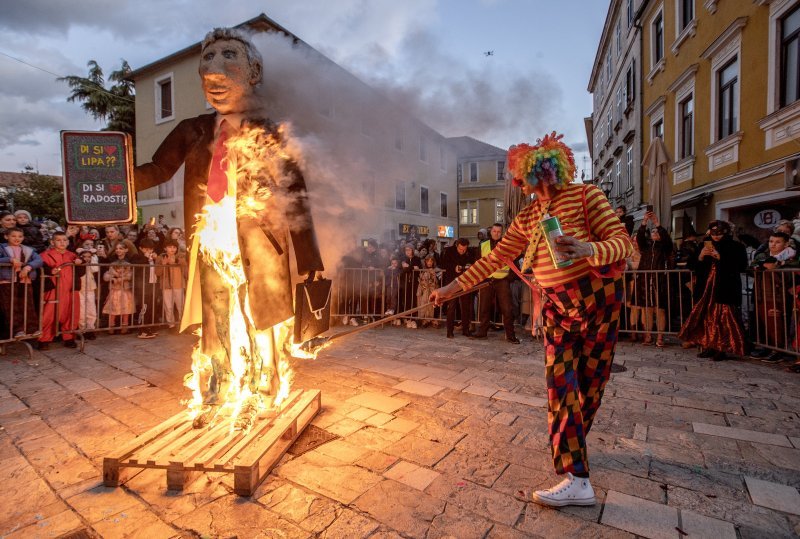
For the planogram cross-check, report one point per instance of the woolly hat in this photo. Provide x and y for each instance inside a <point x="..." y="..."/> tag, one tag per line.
<point x="23" y="212"/>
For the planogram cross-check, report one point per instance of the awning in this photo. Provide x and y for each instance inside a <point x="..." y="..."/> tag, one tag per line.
<point x="701" y="199"/>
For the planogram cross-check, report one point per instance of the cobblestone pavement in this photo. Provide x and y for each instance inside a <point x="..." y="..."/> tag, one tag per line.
<point x="436" y="438"/>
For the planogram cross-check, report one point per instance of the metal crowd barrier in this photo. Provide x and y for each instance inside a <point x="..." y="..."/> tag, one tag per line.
<point x="78" y="310"/>
<point x="774" y="310"/>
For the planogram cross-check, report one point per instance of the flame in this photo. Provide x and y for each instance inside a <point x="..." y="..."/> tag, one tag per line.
<point x="252" y="368"/>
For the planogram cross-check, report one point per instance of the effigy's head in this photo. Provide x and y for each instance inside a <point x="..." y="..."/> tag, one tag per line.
<point x="548" y="162"/>
<point x="230" y="69"/>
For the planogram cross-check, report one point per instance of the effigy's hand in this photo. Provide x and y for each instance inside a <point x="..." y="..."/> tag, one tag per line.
<point x="573" y="248"/>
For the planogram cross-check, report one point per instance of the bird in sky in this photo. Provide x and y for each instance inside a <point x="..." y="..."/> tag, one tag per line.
<point x="488" y="53"/>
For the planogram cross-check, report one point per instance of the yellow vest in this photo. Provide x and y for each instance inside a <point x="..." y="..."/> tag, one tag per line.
<point x="502" y="273"/>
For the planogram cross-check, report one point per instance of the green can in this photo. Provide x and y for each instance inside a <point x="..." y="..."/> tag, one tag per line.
<point x="551" y="230"/>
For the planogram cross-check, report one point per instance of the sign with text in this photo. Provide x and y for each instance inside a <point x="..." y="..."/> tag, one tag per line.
<point x="413" y="230"/>
<point x="767" y="218"/>
<point x="98" y="177"/>
<point x="446" y="231"/>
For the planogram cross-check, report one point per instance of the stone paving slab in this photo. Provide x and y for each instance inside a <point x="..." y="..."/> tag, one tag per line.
<point x="436" y="462"/>
<point x="774" y="495"/>
<point x="742" y="434"/>
<point x="638" y="516"/>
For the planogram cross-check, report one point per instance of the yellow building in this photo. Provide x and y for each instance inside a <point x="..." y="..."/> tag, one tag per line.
<point x="480" y="174"/>
<point x="721" y="82"/>
<point x="390" y="171"/>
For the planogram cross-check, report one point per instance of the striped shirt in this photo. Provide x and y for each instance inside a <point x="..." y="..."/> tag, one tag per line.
<point x="611" y="240"/>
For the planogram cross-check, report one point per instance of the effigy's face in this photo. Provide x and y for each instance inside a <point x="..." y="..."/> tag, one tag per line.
<point x="227" y="76"/>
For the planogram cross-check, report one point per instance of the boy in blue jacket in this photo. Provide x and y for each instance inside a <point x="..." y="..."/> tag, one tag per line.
<point x="18" y="265"/>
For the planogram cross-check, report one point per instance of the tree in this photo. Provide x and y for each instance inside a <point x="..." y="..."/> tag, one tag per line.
<point x="42" y="196"/>
<point x="114" y="105"/>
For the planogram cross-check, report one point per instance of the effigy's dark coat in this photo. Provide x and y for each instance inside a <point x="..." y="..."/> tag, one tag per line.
<point x="263" y="240"/>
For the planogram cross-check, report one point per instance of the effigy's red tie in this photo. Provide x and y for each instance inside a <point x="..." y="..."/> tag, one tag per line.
<point x="217" y="179"/>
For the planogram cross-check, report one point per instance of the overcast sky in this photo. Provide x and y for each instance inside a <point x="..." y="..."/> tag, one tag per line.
<point x="534" y="82"/>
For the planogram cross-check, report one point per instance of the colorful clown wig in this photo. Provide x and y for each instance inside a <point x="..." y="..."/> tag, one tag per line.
<point x="550" y="161"/>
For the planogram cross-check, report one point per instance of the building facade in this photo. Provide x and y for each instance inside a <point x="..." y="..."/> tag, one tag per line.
<point x="613" y="130"/>
<point x="721" y="88"/>
<point x="480" y="175"/>
<point x="386" y="171"/>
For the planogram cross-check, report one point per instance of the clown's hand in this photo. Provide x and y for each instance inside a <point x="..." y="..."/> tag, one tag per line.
<point x="573" y="248"/>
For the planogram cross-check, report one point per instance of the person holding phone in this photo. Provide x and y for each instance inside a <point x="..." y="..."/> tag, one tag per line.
<point x="717" y="296"/>
<point x="650" y="291"/>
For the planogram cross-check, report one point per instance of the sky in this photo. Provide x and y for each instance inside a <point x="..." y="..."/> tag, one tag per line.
<point x="430" y="52"/>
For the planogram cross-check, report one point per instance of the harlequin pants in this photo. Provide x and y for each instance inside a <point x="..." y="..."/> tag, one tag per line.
<point x="581" y="322"/>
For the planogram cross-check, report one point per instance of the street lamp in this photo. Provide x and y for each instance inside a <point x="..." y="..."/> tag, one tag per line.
<point x="606" y="185"/>
<point x="12" y="190"/>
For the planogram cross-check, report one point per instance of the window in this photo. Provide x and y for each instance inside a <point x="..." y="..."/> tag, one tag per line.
<point x="619" y="103"/>
<point x="443" y="204"/>
<point x="618" y="179"/>
<point x="609" y="124"/>
<point x="499" y="211"/>
<point x="629" y="12"/>
<point x="629" y="168"/>
<point x="468" y="212"/>
<point x="686" y="111"/>
<point x="398" y="140"/>
<point x="618" y="33"/>
<point x="164" y="99"/>
<point x="423" y="150"/>
<point x="658" y="38"/>
<point x="790" y="57"/>
<point x="473" y="172"/>
<point x="501" y="171"/>
<point x="658" y="129"/>
<point x="400" y="196"/>
<point x="609" y="66"/>
<point x="167" y="190"/>
<point x="423" y="200"/>
<point x="727" y="109"/>
<point x="630" y="83"/>
<point x="459" y="173"/>
<point x="686" y="13"/>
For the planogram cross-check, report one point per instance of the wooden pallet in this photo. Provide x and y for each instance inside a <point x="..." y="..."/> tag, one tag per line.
<point x="185" y="452"/>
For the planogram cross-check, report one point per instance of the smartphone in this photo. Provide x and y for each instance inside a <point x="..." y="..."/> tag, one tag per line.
<point x="649" y="207"/>
<point x="708" y="244"/>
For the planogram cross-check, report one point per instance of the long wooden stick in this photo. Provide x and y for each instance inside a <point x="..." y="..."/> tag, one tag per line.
<point x="314" y="344"/>
<point x="407" y="312"/>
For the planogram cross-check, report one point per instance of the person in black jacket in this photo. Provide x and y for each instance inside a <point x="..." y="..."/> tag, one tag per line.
<point x="455" y="260"/>
<point x="410" y="264"/>
<point x="31" y="231"/>
<point x="715" y="323"/>
<point x="651" y="287"/>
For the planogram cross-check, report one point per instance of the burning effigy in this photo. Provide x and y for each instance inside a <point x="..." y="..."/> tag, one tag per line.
<point x="244" y="198"/>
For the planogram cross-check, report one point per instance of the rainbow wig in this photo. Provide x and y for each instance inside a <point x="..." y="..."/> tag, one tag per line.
<point x="550" y="161"/>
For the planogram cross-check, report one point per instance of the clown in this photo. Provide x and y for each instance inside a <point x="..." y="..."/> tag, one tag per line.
<point x="582" y="300"/>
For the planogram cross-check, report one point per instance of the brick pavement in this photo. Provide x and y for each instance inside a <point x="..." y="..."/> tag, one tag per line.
<point x="437" y="438"/>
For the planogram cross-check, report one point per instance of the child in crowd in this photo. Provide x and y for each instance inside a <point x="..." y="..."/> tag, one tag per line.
<point x="120" y="289"/>
<point x="87" y="295"/>
<point x="62" y="272"/>
<point x="392" y="286"/>
<point x="172" y="274"/>
<point x="147" y="296"/>
<point x="18" y="265"/>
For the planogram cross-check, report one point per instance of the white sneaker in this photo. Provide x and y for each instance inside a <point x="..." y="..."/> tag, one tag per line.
<point x="571" y="491"/>
<point x="354" y="322"/>
<point x="411" y="324"/>
<point x="345" y="320"/>
<point x="389" y="312"/>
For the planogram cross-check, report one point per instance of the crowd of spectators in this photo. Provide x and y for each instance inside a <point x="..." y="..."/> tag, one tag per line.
<point x="87" y="278"/>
